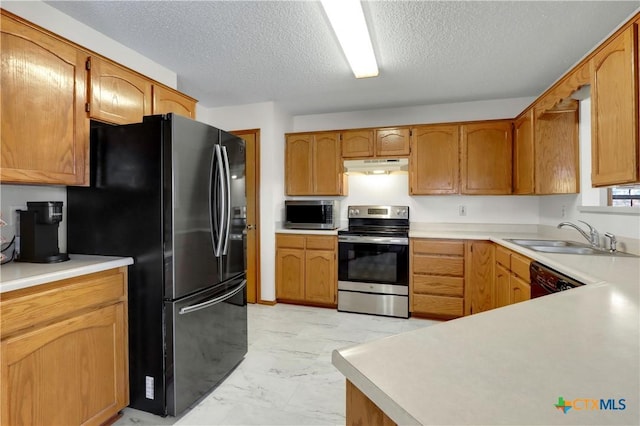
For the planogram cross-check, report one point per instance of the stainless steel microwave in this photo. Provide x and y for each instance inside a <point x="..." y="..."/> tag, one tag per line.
<point x="311" y="214"/>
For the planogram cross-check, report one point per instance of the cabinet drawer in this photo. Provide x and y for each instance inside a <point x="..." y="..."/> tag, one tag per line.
<point x="503" y="256"/>
<point x="437" y="305"/>
<point x="290" y="241"/>
<point x="433" y="284"/>
<point x="321" y="243"/>
<point x="37" y="305"/>
<point x="438" y="265"/>
<point x="444" y="247"/>
<point x="520" y="266"/>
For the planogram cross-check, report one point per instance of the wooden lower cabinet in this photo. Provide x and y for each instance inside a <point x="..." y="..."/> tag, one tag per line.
<point x="360" y="410"/>
<point x="479" y="276"/>
<point x="512" y="277"/>
<point x="306" y="270"/>
<point x="437" y="278"/>
<point x="64" y="356"/>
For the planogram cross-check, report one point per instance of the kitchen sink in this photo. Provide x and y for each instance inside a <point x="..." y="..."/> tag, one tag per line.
<point x="566" y="247"/>
<point x="547" y="243"/>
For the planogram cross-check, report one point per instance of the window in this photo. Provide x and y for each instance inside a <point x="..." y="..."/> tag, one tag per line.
<point x="624" y="196"/>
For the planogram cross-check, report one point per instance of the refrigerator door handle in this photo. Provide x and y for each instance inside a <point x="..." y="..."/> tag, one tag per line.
<point x="212" y="200"/>
<point x="220" y="209"/>
<point x="215" y="301"/>
<point x="228" y="195"/>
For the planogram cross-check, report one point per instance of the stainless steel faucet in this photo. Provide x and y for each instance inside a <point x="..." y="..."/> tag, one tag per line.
<point x="593" y="236"/>
<point x="613" y="242"/>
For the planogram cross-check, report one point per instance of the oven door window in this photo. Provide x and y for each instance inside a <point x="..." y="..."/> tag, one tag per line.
<point x="373" y="263"/>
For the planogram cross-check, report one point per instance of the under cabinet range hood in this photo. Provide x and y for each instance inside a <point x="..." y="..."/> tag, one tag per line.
<point x="377" y="165"/>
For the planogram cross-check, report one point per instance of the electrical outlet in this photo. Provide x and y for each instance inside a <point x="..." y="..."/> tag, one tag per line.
<point x="563" y="212"/>
<point x="462" y="210"/>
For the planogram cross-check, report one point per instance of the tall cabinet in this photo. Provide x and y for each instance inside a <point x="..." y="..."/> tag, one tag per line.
<point x="614" y="111"/>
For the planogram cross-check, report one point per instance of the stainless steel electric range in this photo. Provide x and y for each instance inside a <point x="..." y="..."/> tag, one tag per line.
<point x="373" y="261"/>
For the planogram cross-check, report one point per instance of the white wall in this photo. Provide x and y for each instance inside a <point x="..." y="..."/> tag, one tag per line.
<point x="463" y="111"/>
<point x="273" y="123"/>
<point x="394" y="189"/>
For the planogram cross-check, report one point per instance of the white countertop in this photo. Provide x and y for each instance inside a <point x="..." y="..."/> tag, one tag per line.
<point x="17" y="275"/>
<point x="510" y="365"/>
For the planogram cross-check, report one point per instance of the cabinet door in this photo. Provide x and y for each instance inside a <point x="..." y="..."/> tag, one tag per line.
<point x="290" y="274"/>
<point x="434" y="160"/>
<point x="479" y="276"/>
<point x="167" y="100"/>
<point x="614" y="111"/>
<point x="520" y="290"/>
<point x="327" y="164"/>
<point x="486" y="158"/>
<point x="45" y="129"/>
<point x="556" y="146"/>
<point x="393" y="142"/>
<point x="523" y="154"/>
<point x="320" y="276"/>
<point x="503" y="289"/>
<point x="69" y="372"/>
<point x="298" y="165"/>
<point x="357" y="144"/>
<point x="117" y="95"/>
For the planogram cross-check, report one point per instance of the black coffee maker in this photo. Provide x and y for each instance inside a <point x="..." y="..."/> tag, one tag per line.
<point x="39" y="232"/>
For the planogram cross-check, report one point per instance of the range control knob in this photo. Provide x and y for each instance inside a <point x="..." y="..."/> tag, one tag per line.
<point x="354" y="212"/>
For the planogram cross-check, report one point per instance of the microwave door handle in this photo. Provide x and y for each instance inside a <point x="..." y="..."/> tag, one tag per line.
<point x="227" y="194"/>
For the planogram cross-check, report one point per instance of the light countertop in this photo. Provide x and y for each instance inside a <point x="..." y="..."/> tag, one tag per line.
<point x="510" y="365"/>
<point x="18" y="275"/>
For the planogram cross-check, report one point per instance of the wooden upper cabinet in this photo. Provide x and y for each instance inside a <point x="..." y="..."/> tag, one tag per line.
<point x="357" y="143"/>
<point x="486" y="158"/>
<point x="166" y="100"/>
<point x="299" y="165"/>
<point x="433" y="163"/>
<point x="557" y="163"/>
<point x="117" y="95"/>
<point x="313" y="165"/>
<point x="523" y="154"/>
<point x="45" y="129"/>
<point x="327" y="164"/>
<point x="393" y="142"/>
<point x="614" y="111"/>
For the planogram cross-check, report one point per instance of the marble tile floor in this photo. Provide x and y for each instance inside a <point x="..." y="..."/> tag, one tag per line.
<point x="286" y="377"/>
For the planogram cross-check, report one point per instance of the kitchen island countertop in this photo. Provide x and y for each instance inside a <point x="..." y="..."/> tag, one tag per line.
<point x="18" y="275"/>
<point x="510" y="365"/>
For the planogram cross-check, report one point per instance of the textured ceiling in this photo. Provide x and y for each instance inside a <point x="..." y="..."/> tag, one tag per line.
<point x="429" y="52"/>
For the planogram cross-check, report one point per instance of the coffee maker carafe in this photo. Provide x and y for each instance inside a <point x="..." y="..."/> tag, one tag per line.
<point x="39" y="232"/>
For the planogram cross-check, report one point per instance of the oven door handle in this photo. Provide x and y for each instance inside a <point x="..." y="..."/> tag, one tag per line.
<point x="373" y="240"/>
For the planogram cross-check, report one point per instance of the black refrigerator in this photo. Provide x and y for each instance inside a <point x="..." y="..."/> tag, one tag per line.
<point x="163" y="192"/>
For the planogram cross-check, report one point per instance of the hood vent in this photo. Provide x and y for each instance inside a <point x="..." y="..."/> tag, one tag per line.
<point x="377" y="166"/>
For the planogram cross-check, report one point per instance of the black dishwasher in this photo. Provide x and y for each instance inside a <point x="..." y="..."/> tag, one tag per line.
<point x="545" y="280"/>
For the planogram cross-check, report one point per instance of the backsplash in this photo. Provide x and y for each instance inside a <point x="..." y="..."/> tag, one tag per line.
<point x="16" y="196"/>
<point x="393" y="189"/>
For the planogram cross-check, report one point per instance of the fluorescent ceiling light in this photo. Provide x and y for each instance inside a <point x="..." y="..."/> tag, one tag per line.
<point x="347" y="19"/>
